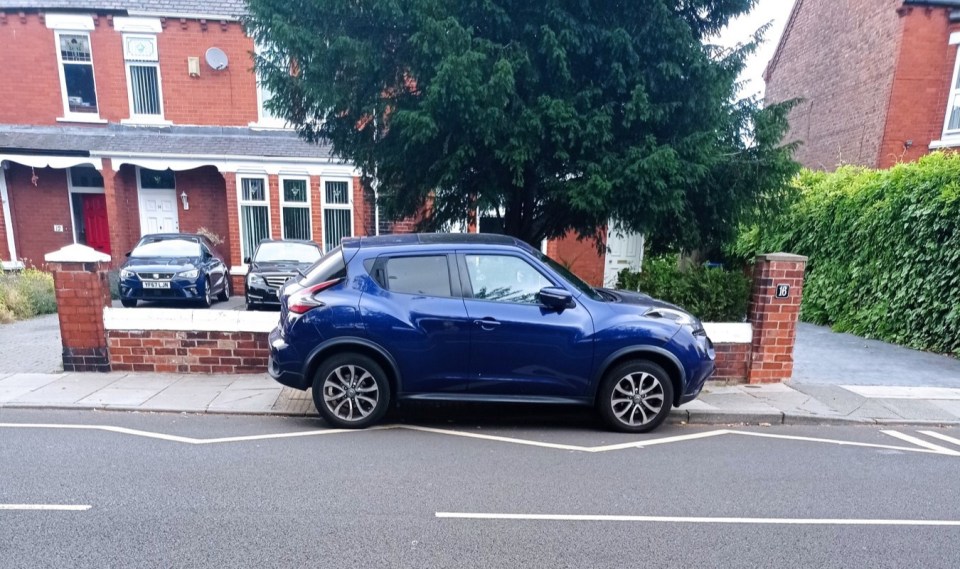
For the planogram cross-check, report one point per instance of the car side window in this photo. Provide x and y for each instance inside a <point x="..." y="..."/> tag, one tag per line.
<point x="504" y="278"/>
<point x="425" y="275"/>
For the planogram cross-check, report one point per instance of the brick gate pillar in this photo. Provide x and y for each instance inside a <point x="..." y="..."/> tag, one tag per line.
<point x="82" y="289"/>
<point x="774" y="311"/>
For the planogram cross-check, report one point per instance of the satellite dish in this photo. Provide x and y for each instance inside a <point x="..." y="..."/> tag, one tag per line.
<point x="216" y="58"/>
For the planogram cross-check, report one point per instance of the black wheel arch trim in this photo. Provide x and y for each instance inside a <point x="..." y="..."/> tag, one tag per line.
<point x="317" y="353"/>
<point x="639" y="351"/>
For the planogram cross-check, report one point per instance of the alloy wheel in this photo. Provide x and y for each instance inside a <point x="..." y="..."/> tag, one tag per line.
<point x="350" y="393"/>
<point x="637" y="398"/>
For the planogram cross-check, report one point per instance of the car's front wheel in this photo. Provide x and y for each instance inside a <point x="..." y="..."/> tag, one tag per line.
<point x="207" y="300"/>
<point x="351" y="391"/>
<point x="225" y="293"/>
<point x="635" y="397"/>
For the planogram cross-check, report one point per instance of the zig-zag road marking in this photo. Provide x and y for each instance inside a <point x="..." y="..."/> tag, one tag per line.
<point x="921" y="445"/>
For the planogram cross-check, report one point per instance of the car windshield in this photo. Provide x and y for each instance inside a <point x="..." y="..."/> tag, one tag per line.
<point x="167" y="247"/>
<point x="572" y="278"/>
<point x="287" y="251"/>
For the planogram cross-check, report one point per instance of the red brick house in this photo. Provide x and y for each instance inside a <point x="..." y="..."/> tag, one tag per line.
<point x="120" y="118"/>
<point x="878" y="78"/>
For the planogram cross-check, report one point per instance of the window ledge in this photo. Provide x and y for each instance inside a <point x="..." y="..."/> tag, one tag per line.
<point x="269" y="126"/>
<point x="951" y="141"/>
<point x="82" y="119"/>
<point x="145" y="122"/>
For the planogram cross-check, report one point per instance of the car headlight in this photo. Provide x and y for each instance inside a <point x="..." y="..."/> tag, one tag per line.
<point x="255" y="279"/>
<point x="125" y="274"/>
<point x="191" y="274"/>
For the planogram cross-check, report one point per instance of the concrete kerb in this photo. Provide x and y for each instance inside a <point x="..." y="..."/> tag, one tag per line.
<point x="676" y="417"/>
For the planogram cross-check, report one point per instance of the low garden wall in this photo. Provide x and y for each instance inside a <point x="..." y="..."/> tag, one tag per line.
<point x="97" y="337"/>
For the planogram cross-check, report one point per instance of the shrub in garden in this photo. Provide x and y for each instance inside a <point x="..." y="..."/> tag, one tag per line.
<point x="712" y="294"/>
<point x="883" y="248"/>
<point x="26" y="294"/>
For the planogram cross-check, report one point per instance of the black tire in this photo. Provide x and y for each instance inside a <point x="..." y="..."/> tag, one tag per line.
<point x="225" y="293"/>
<point x="207" y="300"/>
<point x="351" y="392"/>
<point x="635" y="412"/>
<point x="128" y="302"/>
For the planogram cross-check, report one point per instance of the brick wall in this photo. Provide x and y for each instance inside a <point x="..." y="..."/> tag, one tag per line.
<point x="733" y="362"/>
<point x="206" y="193"/>
<point x="775" y="319"/>
<point x="188" y="352"/>
<point x="921" y="85"/>
<point x="840" y="57"/>
<point x="36" y="209"/>
<point x="580" y="256"/>
<point x="82" y="290"/>
<point x="228" y="97"/>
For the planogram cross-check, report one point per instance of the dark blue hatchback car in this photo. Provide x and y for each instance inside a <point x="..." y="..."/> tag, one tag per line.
<point x="479" y="318"/>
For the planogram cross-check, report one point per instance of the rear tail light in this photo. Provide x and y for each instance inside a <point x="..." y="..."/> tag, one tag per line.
<point x="303" y="300"/>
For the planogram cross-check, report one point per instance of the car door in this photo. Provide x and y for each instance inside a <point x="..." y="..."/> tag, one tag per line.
<point x="518" y="346"/>
<point x="417" y="314"/>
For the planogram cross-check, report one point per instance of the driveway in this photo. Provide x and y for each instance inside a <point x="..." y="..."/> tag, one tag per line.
<point x="824" y="357"/>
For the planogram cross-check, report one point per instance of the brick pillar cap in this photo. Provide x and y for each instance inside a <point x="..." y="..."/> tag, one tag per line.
<point x="76" y="253"/>
<point x="789" y="257"/>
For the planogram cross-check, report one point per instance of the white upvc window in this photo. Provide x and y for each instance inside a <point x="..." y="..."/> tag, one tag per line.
<point x="337" y="202"/>
<point x="265" y="117"/>
<point x="144" y="86"/>
<point x="253" y="194"/>
<point x="295" y="207"/>
<point x="951" y="123"/>
<point x="78" y="87"/>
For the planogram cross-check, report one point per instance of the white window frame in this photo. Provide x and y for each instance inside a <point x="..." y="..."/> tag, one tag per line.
<point x="127" y="63"/>
<point x="71" y="189"/>
<point x="324" y="206"/>
<point x="242" y="202"/>
<point x="308" y="205"/>
<point x="68" y="115"/>
<point x="265" y="120"/>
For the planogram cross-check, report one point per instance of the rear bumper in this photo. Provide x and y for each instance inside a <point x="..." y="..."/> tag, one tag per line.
<point x="285" y="364"/>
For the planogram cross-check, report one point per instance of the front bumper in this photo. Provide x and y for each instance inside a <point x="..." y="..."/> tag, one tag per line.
<point x="176" y="289"/>
<point x="285" y="364"/>
<point x="702" y="371"/>
<point x="262" y="295"/>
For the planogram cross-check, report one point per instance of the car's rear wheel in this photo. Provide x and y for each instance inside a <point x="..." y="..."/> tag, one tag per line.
<point x="635" y="397"/>
<point x="128" y="302"/>
<point x="351" y="391"/>
<point x="225" y="293"/>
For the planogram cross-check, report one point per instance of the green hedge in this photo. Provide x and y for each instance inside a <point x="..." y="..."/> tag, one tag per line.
<point x="884" y="249"/>
<point x="25" y="295"/>
<point x="713" y="295"/>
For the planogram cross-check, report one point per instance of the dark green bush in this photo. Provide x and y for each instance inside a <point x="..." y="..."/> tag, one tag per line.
<point x="713" y="295"/>
<point x="26" y="294"/>
<point x="884" y="249"/>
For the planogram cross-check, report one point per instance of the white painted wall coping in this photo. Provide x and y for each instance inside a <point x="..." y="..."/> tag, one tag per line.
<point x="11" y="265"/>
<point x="76" y="253"/>
<point x="729" y="332"/>
<point x="188" y="320"/>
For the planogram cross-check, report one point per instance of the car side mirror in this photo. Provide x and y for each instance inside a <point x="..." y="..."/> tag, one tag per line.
<point x="246" y="260"/>
<point x="556" y="298"/>
<point x="128" y="253"/>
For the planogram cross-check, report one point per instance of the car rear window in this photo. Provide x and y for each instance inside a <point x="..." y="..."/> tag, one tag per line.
<point x="328" y="268"/>
<point x="426" y="275"/>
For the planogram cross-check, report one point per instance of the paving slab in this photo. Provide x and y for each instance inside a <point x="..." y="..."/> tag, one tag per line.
<point x="68" y="389"/>
<point x="246" y="400"/>
<point x="919" y="410"/>
<point x="156" y="382"/>
<point x="112" y="396"/>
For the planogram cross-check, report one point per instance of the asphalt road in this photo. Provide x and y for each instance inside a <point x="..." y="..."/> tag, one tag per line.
<point x="169" y="496"/>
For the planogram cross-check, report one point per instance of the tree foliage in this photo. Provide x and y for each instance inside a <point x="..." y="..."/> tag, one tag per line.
<point x="557" y="114"/>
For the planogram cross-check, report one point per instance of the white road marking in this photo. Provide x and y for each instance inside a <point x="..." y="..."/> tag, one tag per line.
<point x="847" y="443"/>
<point x="921" y="443"/>
<point x="922" y="446"/>
<point x="57" y="507"/>
<point x="695" y="520"/>
<point x="941" y="436"/>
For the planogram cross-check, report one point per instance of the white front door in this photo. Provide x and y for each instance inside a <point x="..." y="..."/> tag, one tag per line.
<point x="624" y="251"/>
<point x="158" y="212"/>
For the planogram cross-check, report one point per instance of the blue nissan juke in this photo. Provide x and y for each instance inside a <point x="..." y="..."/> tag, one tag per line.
<point x="487" y="318"/>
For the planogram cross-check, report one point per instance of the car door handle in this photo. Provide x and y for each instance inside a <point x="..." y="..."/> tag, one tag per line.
<point x="487" y="323"/>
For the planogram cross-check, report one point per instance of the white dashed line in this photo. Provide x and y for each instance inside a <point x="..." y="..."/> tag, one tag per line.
<point x="55" y="507"/>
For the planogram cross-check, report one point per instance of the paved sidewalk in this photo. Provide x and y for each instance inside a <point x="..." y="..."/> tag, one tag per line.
<point x="258" y="394"/>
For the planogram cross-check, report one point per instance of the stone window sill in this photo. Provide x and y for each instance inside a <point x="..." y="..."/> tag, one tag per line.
<point x="82" y="119"/>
